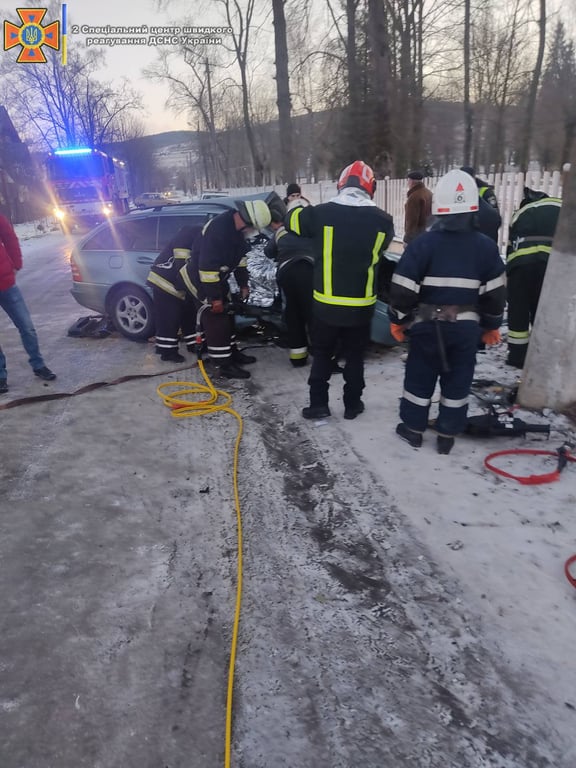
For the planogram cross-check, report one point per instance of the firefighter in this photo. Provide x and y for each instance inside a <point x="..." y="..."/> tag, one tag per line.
<point x="220" y="251"/>
<point x="294" y="275"/>
<point x="174" y="307"/>
<point x="449" y="288"/>
<point x="349" y="235"/>
<point x="488" y="218"/>
<point x="529" y="244"/>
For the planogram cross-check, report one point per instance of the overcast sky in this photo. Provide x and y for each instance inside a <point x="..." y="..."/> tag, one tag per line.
<point x="126" y="61"/>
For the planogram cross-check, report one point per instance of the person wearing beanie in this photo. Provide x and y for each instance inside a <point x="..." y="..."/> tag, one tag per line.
<point x="294" y="192"/>
<point x="418" y="206"/>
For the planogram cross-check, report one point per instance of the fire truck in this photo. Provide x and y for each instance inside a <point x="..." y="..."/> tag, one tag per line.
<point x="86" y="186"/>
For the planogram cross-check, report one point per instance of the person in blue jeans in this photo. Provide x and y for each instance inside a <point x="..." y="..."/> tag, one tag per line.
<point x="12" y="302"/>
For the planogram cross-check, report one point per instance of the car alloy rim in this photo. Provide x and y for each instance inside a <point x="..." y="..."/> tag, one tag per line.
<point x="132" y="313"/>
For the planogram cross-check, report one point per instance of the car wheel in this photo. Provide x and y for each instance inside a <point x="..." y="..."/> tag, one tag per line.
<point x="132" y="312"/>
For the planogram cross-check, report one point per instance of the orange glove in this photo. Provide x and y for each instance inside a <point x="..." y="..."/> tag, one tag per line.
<point x="398" y="332"/>
<point x="217" y="306"/>
<point x="491" y="337"/>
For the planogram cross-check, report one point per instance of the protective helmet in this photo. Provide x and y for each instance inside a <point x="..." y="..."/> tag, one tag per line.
<point x="254" y="213"/>
<point x="358" y="175"/>
<point x="456" y="192"/>
<point x="300" y="202"/>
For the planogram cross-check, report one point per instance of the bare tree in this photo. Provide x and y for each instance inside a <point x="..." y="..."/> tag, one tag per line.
<point x="240" y="20"/>
<point x="67" y="105"/>
<point x="468" y="116"/>
<point x="526" y="138"/>
<point x="283" y="90"/>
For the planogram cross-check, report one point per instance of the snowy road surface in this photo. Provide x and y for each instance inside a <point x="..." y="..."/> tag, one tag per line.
<point x="401" y="609"/>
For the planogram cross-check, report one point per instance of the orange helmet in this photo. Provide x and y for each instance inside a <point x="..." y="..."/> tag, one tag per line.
<point x="359" y="175"/>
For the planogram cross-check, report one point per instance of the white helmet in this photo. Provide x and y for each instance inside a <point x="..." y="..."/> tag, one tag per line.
<point x="254" y="213"/>
<point x="456" y="192"/>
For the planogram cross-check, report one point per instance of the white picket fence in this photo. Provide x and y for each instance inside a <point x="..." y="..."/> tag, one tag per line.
<point x="391" y="194"/>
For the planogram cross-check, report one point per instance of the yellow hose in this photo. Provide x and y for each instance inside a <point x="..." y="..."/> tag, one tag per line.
<point x="176" y="396"/>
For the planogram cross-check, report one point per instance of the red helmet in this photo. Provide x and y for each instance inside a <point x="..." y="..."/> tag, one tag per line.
<point x="359" y="175"/>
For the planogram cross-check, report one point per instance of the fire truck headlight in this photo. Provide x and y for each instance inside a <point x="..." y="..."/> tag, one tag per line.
<point x="59" y="213"/>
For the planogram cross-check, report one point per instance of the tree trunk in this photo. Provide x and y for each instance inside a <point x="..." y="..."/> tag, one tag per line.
<point x="283" y="92"/>
<point x="526" y="141"/>
<point x="549" y="377"/>
<point x="467" y="105"/>
<point x="381" y="139"/>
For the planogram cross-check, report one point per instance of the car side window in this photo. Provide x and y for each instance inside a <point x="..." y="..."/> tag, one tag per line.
<point x="141" y="234"/>
<point x="170" y="225"/>
<point x="136" y="235"/>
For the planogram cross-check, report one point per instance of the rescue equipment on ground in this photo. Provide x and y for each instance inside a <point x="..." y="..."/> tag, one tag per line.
<point x="91" y="327"/>
<point x="568" y="570"/>
<point x="181" y="398"/>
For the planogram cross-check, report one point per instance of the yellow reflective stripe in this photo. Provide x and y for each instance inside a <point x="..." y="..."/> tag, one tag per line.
<point x="165" y="285"/>
<point x="187" y="282"/>
<point x="556" y="201"/>
<point x="243" y="262"/>
<point x="280" y="233"/>
<point x="294" y="220"/>
<point x="209" y="277"/>
<point x="375" y="258"/>
<point x="518" y="334"/>
<point x="345" y="301"/>
<point x="327" y="259"/>
<point x="527" y="251"/>
<point x="181" y="253"/>
<point x="299" y="354"/>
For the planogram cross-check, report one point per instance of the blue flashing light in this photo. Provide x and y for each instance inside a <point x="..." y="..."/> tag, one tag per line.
<point x="79" y="151"/>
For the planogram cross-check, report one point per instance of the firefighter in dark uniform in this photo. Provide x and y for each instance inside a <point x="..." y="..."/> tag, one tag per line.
<point x="294" y="275"/>
<point x="349" y="235"/>
<point x="220" y="251"/>
<point x="174" y="308"/>
<point x="488" y="218"/>
<point x="529" y="244"/>
<point x="449" y="289"/>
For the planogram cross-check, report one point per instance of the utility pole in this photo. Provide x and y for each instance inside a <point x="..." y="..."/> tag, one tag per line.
<point x="549" y="377"/>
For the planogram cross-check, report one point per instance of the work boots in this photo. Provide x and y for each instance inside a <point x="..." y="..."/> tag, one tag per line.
<point x="351" y="411"/>
<point x="239" y="358"/>
<point x="316" y="412"/>
<point x="411" y="437"/>
<point x="172" y="356"/>
<point x="444" y="444"/>
<point x="231" y="371"/>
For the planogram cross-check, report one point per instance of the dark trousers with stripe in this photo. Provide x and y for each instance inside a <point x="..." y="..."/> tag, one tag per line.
<point x="449" y="358"/>
<point x="351" y="343"/>
<point x="524" y="284"/>
<point x="296" y="282"/>
<point x="173" y="315"/>
<point x="218" y="331"/>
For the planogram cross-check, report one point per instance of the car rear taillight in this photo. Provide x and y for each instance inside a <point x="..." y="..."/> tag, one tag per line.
<point x="76" y="276"/>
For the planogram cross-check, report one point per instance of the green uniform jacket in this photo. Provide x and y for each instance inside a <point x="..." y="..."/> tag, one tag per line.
<point x="531" y="232"/>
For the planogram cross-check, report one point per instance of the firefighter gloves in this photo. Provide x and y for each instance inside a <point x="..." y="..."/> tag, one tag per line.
<point x="217" y="306"/>
<point x="491" y="337"/>
<point x="398" y="332"/>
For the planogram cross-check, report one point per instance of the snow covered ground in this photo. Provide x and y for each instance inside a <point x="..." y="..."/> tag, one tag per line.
<point x="432" y="584"/>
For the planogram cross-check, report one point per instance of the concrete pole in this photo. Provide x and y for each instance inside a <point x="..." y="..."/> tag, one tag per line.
<point x="549" y="377"/>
